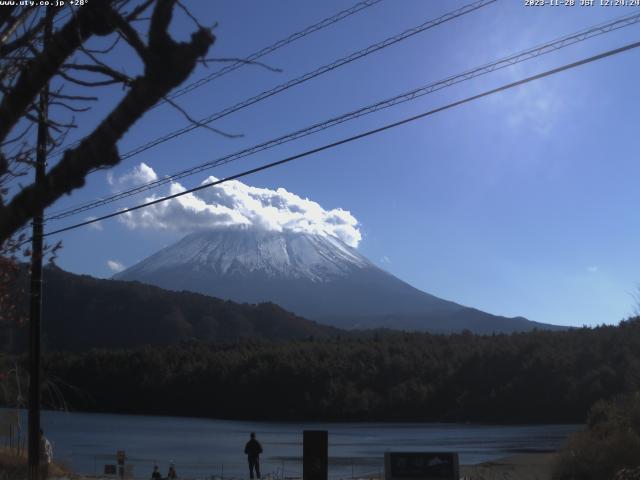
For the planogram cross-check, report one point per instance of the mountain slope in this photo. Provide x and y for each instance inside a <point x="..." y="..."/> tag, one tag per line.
<point x="318" y="277"/>
<point x="82" y="312"/>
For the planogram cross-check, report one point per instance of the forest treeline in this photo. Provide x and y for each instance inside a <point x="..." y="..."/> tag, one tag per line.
<point x="539" y="376"/>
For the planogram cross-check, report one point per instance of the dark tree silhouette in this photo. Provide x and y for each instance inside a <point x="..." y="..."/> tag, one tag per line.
<point x="26" y="68"/>
<point x="539" y="376"/>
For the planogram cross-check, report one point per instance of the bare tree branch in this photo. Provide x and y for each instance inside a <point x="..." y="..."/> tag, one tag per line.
<point x="96" y="19"/>
<point x="104" y="50"/>
<point x="200" y="124"/>
<point x="167" y="64"/>
<point x="90" y="83"/>
<point x="18" y="137"/>
<point x="189" y="14"/>
<point x="6" y="14"/>
<point x="116" y="77"/>
<point x="80" y="98"/>
<point x="130" y="35"/>
<point x="29" y="35"/>
<point x="66" y="106"/>
<point x="139" y="10"/>
<point x="13" y="25"/>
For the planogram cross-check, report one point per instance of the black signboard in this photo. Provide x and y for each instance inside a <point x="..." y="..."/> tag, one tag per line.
<point x="315" y="455"/>
<point x="109" y="469"/>
<point x="421" y="466"/>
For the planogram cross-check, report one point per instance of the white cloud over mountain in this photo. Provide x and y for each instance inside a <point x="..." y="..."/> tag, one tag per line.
<point x="115" y="266"/>
<point x="143" y="173"/>
<point x="234" y="204"/>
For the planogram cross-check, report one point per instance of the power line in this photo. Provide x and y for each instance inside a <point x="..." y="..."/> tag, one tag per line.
<point x="313" y="74"/>
<point x="256" y="55"/>
<point x="368" y="133"/>
<point x="524" y="55"/>
<point x="275" y="46"/>
<point x="310" y="75"/>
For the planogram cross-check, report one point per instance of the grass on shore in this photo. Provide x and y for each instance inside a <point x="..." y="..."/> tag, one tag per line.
<point x="14" y="466"/>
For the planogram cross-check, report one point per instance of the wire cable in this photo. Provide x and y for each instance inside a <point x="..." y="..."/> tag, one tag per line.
<point x="311" y="75"/>
<point x="308" y="76"/>
<point x="255" y="56"/>
<point x="273" y="47"/>
<point x="524" y="55"/>
<point x="359" y="136"/>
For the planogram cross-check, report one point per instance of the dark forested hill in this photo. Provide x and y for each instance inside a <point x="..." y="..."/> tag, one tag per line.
<point x="539" y="376"/>
<point x="82" y="312"/>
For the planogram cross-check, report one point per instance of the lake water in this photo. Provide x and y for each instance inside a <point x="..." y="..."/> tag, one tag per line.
<point x="202" y="448"/>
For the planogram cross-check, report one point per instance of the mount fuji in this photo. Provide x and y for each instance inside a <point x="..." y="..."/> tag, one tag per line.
<point x="316" y="276"/>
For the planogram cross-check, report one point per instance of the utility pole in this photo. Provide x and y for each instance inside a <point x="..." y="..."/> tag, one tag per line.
<point x="35" y="312"/>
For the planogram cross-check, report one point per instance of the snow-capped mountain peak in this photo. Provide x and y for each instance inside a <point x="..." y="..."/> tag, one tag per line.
<point x="316" y="276"/>
<point x="240" y="252"/>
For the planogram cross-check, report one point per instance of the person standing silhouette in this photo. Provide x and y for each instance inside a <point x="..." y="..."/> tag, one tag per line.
<point x="253" y="449"/>
<point x="172" y="475"/>
<point x="156" y="474"/>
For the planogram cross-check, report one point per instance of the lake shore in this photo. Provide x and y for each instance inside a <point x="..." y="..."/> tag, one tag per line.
<point x="524" y="466"/>
<point x="527" y="466"/>
<point x="13" y="465"/>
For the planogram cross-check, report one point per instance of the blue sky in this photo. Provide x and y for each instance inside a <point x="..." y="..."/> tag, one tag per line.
<point x="523" y="203"/>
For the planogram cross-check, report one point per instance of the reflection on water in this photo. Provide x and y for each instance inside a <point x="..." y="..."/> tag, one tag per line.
<point x="202" y="448"/>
